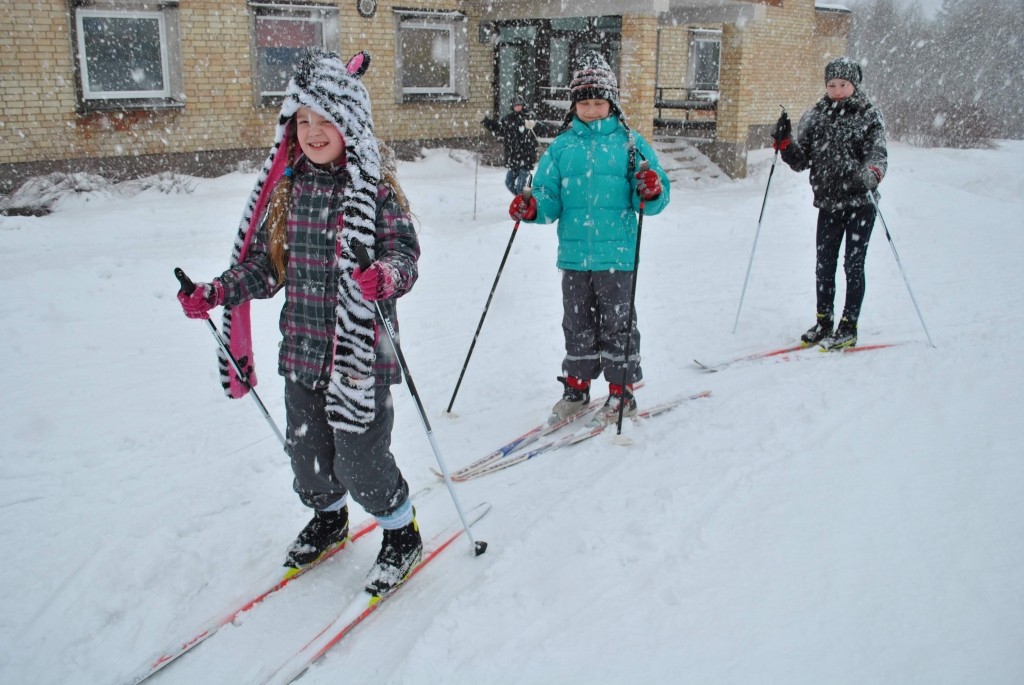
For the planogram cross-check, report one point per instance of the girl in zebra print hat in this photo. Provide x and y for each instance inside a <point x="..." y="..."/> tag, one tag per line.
<point x="325" y="186"/>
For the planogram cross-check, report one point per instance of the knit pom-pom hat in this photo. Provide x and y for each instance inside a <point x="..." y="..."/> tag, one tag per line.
<point x="844" y="68"/>
<point x="332" y="88"/>
<point x="594" y="79"/>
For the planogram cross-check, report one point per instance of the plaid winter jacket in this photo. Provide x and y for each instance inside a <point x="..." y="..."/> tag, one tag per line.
<point x="838" y="140"/>
<point x="308" y="316"/>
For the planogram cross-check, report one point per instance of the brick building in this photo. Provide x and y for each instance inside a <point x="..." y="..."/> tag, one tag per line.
<point x="129" y="87"/>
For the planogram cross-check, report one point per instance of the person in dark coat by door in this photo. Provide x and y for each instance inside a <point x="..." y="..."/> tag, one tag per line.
<point x="516" y="130"/>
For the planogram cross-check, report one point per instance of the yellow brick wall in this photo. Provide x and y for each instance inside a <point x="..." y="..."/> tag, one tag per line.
<point x="780" y="60"/>
<point x="37" y="78"/>
<point x="764" y="64"/>
<point x="673" y="47"/>
<point x="638" y="72"/>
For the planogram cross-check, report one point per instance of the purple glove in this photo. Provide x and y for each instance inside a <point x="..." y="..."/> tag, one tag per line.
<point x="205" y="297"/>
<point x="378" y="282"/>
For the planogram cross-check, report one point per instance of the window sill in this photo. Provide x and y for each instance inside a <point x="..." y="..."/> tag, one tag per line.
<point x="414" y="98"/>
<point x="91" y="106"/>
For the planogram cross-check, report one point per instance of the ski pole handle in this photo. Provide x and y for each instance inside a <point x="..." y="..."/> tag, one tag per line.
<point x="528" y="188"/>
<point x="187" y="286"/>
<point x="362" y="256"/>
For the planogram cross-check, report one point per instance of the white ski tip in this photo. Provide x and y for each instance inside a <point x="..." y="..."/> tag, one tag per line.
<point x="623" y="440"/>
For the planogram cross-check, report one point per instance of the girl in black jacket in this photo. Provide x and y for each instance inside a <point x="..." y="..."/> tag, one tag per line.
<point x="841" y="139"/>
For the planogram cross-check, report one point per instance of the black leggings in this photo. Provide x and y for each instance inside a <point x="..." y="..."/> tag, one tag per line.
<point x="856" y="224"/>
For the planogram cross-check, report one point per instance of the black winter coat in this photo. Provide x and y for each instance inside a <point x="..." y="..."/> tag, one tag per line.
<point x="838" y="141"/>
<point x="520" y="143"/>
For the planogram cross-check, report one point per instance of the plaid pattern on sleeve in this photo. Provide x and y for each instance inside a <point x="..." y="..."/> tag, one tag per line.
<point x="311" y="283"/>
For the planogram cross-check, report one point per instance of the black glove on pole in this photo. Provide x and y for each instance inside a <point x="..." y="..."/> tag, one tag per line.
<point x="783" y="128"/>
<point x="363" y="259"/>
<point x="527" y="194"/>
<point x="784" y="119"/>
<point x="188" y="287"/>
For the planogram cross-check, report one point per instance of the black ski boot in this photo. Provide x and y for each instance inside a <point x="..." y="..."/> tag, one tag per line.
<point x="845" y="336"/>
<point x="821" y="329"/>
<point x="401" y="550"/>
<point x="324" y="533"/>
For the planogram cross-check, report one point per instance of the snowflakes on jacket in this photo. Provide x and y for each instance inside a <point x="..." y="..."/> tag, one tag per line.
<point x="838" y="140"/>
<point x="308" y="317"/>
<point x="585" y="182"/>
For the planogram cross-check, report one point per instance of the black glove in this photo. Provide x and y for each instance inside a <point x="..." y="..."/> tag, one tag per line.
<point x="871" y="176"/>
<point x="783" y="130"/>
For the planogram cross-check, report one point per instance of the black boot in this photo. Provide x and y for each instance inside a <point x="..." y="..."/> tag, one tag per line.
<point x="401" y="550"/>
<point x="326" y="531"/>
<point x="821" y="329"/>
<point x="845" y="336"/>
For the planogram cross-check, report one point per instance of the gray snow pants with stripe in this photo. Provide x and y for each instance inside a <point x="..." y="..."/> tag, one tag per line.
<point x="595" y="309"/>
<point x="329" y="463"/>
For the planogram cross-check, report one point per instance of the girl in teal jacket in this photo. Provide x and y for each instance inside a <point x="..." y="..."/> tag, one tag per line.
<point x="591" y="182"/>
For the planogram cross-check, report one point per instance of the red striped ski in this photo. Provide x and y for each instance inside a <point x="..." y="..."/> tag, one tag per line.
<point x="784" y="353"/>
<point x="360" y="608"/>
<point x="215" y="624"/>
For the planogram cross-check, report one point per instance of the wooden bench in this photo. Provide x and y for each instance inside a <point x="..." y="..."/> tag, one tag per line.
<point x="691" y="100"/>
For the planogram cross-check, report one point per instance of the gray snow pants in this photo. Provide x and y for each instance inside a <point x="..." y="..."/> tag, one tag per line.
<point x="329" y="463"/>
<point x="595" y="309"/>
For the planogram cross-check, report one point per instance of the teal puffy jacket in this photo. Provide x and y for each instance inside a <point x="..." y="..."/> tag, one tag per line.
<point x="583" y="182"/>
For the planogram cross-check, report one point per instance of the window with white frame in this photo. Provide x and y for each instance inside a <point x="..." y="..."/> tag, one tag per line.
<point x="432" y="55"/>
<point x="127" y="54"/>
<point x="281" y="33"/>
<point x="704" y="60"/>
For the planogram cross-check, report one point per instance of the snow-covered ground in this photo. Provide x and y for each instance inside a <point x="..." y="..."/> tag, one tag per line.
<point x="828" y="519"/>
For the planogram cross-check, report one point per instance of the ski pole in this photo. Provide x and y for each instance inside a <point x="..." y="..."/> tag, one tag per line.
<point x="760" y="218"/>
<point x="476" y="180"/>
<point x="188" y="287"/>
<point x="900" y="265"/>
<point x="363" y="259"/>
<point x="644" y="166"/>
<point x="527" y="194"/>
